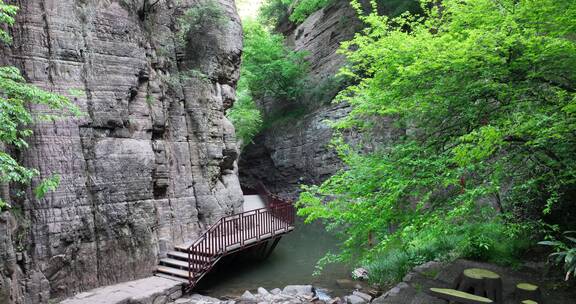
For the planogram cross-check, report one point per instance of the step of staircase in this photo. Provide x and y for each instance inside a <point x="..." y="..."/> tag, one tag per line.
<point x="183" y="256"/>
<point x="184" y="248"/>
<point x="184" y="265"/>
<point x="171" y="277"/>
<point x="173" y="271"/>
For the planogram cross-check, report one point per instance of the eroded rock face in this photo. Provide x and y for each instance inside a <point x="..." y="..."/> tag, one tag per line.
<point x="150" y="164"/>
<point x="297" y="152"/>
<point x="284" y="157"/>
<point x="320" y="36"/>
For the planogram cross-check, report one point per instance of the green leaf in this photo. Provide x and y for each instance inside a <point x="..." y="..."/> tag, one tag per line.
<point x="550" y="243"/>
<point x="571" y="239"/>
<point x="47" y="185"/>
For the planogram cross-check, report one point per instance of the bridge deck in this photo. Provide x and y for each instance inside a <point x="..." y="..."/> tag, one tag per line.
<point x="247" y="242"/>
<point x="190" y="262"/>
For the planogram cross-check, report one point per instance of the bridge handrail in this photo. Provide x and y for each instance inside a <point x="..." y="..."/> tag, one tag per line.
<point x="277" y="216"/>
<point x="271" y="199"/>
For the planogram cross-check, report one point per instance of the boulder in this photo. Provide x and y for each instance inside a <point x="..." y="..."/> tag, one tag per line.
<point x="247" y="295"/>
<point x="263" y="292"/>
<point x="336" y="300"/>
<point x="354" y="299"/>
<point x="362" y="295"/>
<point x="300" y="290"/>
<point x="200" y="299"/>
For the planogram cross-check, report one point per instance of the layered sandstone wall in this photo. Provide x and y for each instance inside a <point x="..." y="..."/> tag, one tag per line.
<point x="297" y="151"/>
<point x="150" y="164"/>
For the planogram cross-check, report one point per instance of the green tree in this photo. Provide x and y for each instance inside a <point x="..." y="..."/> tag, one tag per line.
<point x="269" y="71"/>
<point x="304" y="8"/>
<point x="485" y="92"/>
<point x="200" y="18"/>
<point x="16" y="119"/>
<point x="245" y="115"/>
<point x="270" y="68"/>
<point x="274" y="12"/>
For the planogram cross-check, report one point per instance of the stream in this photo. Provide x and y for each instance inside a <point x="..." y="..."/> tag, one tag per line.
<point x="292" y="263"/>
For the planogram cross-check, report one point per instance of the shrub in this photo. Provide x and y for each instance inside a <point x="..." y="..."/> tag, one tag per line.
<point x="305" y="8"/>
<point x="565" y="252"/>
<point x="245" y="115"/>
<point x="325" y="91"/>
<point x="273" y="12"/>
<point x="269" y="71"/>
<point x="484" y="94"/>
<point x="201" y="18"/>
<point x="491" y="241"/>
<point x="270" y="68"/>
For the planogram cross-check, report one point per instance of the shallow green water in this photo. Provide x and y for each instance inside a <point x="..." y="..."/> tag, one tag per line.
<point x="292" y="262"/>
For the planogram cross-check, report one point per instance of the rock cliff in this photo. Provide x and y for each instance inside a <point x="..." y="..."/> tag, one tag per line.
<point x="150" y="164"/>
<point x="296" y="152"/>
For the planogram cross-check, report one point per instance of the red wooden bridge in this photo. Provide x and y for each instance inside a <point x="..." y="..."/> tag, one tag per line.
<point x="191" y="262"/>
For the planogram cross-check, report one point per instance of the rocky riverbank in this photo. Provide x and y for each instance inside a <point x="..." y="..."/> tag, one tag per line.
<point x="292" y="294"/>
<point x="413" y="288"/>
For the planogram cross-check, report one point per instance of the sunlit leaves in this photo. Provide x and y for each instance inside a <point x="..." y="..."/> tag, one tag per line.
<point x="305" y="8"/>
<point x="485" y="92"/>
<point x="7" y="13"/>
<point x="47" y="185"/>
<point x="245" y="115"/>
<point x="271" y="70"/>
<point x="478" y="145"/>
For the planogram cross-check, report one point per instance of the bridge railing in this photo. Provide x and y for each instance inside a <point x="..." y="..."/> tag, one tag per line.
<point x="271" y="199"/>
<point x="238" y="231"/>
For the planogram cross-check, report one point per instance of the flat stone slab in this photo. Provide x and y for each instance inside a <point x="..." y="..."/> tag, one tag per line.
<point x="145" y="291"/>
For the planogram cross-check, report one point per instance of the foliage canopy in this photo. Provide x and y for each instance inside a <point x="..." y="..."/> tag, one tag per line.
<point x="245" y="115"/>
<point x="302" y="9"/>
<point x="305" y="8"/>
<point x="484" y="92"/>
<point x="270" y="68"/>
<point x="269" y="71"/>
<point x="273" y="12"/>
<point x="200" y="18"/>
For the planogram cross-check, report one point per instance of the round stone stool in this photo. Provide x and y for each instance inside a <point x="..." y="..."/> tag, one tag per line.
<point x="481" y="282"/>
<point x="527" y="291"/>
